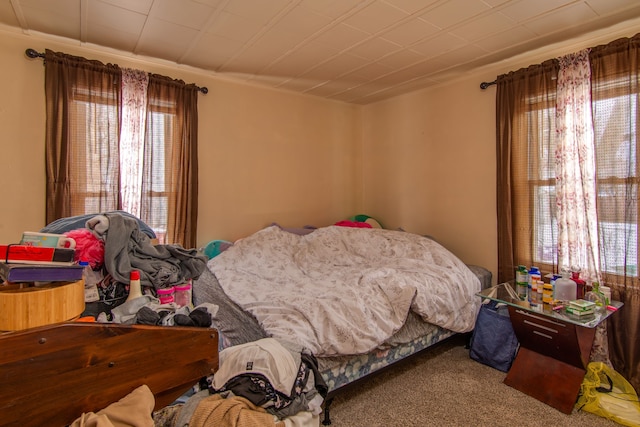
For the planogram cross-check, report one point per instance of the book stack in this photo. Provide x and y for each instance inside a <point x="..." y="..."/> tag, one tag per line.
<point x="25" y="263"/>
<point x="581" y="307"/>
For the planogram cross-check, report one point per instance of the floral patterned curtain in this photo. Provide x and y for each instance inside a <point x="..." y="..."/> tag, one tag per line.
<point x="576" y="168"/>
<point x="134" y="106"/>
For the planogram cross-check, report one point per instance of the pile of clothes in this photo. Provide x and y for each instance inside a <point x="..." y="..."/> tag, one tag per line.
<point x="261" y="383"/>
<point x="115" y="243"/>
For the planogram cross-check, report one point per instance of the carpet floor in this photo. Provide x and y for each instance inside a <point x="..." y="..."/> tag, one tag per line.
<point x="444" y="387"/>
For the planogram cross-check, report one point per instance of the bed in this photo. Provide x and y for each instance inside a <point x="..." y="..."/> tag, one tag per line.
<point x="360" y="299"/>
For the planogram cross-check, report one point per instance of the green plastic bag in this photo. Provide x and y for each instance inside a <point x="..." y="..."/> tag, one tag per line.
<point x="606" y="393"/>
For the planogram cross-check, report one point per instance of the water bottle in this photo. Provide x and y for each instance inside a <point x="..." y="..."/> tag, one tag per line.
<point x="566" y="289"/>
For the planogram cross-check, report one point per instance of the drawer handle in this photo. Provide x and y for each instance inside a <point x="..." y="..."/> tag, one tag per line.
<point x="546" y="328"/>
<point x="543" y="319"/>
<point x="543" y="335"/>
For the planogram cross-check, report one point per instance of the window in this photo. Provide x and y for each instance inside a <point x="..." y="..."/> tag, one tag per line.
<point x="91" y="165"/>
<point x="617" y="184"/>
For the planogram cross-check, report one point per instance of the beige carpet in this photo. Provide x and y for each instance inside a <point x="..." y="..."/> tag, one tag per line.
<point x="444" y="387"/>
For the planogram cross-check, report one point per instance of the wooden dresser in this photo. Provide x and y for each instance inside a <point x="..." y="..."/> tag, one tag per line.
<point x="50" y="375"/>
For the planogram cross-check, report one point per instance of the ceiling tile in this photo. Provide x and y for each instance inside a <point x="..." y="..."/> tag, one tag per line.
<point x="114" y="18"/>
<point x="165" y="40"/>
<point x="61" y="18"/>
<point x="438" y="45"/>
<point x="140" y="6"/>
<point x="186" y="13"/>
<point x="304" y="57"/>
<point x="506" y="39"/>
<point x="303" y="22"/>
<point x="454" y="12"/>
<point x="212" y="51"/>
<point x="410" y="6"/>
<point x="341" y="36"/>
<point x="606" y="7"/>
<point x="376" y="17"/>
<point x="410" y="32"/>
<point x="483" y="26"/>
<point x="374" y="48"/>
<point x="523" y="10"/>
<point x="234" y="27"/>
<point x="301" y="84"/>
<point x="371" y="71"/>
<point x="7" y="15"/>
<point x="121" y="40"/>
<point x="334" y="8"/>
<point x="400" y="59"/>
<point x="262" y="11"/>
<point x="566" y="17"/>
<point x="334" y="67"/>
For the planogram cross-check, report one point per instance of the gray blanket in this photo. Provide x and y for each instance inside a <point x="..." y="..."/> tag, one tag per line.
<point x="161" y="266"/>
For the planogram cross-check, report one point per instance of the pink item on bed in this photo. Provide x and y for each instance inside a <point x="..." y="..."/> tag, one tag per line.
<point x="88" y="247"/>
<point x="355" y="224"/>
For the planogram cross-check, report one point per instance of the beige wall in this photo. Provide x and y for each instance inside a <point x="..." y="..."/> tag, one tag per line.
<point x="429" y="156"/>
<point x="265" y="155"/>
<point x="424" y="161"/>
<point x="430" y="167"/>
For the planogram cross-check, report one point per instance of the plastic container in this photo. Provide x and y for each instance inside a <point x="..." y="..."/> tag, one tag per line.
<point x="534" y="277"/>
<point x="166" y="295"/>
<point x="522" y="280"/>
<point x="182" y="295"/>
<point x="606" y="291"/>
<point x="580" y="284"/>
<point x="135" y="290"/>
<point x="565" y="289"/>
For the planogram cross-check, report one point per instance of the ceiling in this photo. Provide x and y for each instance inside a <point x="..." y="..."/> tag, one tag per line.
<point x="357" y="51"/>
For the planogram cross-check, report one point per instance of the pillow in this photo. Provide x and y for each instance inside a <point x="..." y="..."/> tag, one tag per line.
<point x="366" y="219"/>
<point x="300" y="231"/>
<point x="216" y="247"/>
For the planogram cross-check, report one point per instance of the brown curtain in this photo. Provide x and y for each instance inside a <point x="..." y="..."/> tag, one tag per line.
<point x="83" y="106"/>
<point x="615" y="87"/>
<point x="172" y="117"/>
<point x="82" y="127"/>
<point x="525" y="127"/>
<point x="525" y="102"/>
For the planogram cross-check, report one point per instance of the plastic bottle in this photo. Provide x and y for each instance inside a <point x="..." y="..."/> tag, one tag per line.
<point x="565" y="288"/>
<point x="182" y="295"/>
<point x="540" y="289"/>
<point x="91" y="293"/>
<point x="580" y="284"/>
<point x="166" y="295"/>
<point x="135" y="290"/>
<point x="534" y="277"/>
<point x="598" y="297"/>
<point x="522" y="280"/>
<point x="606" y="291"/>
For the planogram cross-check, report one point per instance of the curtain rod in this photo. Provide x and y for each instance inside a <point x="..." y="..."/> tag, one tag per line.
<point x="485" y="85"/>
<point x="32" y="53"/>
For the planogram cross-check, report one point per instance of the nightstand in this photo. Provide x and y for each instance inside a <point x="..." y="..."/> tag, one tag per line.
<point x="554" y="349"/>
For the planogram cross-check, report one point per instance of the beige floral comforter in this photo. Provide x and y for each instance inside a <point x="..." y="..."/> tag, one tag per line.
<point x="342" y="290"/>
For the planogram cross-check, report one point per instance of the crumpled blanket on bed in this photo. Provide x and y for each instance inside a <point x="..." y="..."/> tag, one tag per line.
<point x="341" y="290"/>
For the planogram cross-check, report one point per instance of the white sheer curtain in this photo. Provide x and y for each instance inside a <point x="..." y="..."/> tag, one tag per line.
<point x="576" y="168"/>
<point x="134" y="112"/>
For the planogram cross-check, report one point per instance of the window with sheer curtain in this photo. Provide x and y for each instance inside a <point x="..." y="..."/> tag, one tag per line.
<point x="528" y="218"/>
<point x="120" y="139"/>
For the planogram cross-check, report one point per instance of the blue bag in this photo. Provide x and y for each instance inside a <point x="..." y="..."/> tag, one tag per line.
<point x="493" y="341"/>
